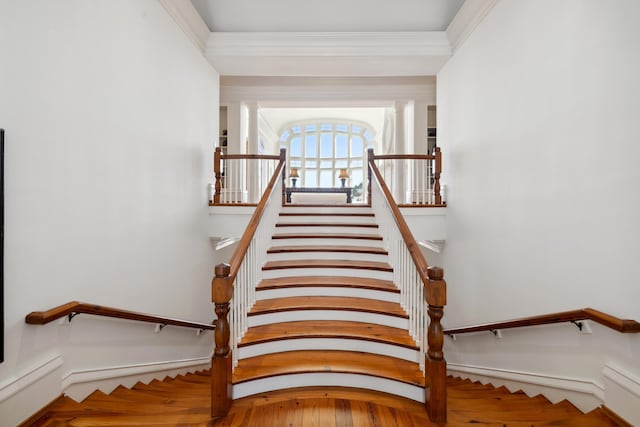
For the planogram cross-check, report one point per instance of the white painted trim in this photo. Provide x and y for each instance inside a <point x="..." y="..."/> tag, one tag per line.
<point x="189" y="20"/>
<point x="624" y="379"/>
<point x="342" y="315"/>
<point x="344" y="344"/>
<point x="586" y="386"/>
<point x="585" y="394"/>
<point x="30" y="376"/>
<point x="466" y="20"/>
<point x="308" y="53"/>
<point x="329" y="379"/>
<point x="327" y="96"/>
<point x="112" y="372"/>
<point x="328" y="291"/>
<point x="318" y="271"/>
<point x="310" y="44"/>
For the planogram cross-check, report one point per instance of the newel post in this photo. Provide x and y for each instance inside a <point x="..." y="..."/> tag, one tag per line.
<point x="369" y="159"/>
<point x="222" y="291"/>
<point x="218" y="174"/>
<point x="283" y="159"/>
<point x="436" y="177"/>
<point x="435" y="364"/>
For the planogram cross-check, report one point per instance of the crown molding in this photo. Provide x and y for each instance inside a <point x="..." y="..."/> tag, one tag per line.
<point x="328" y="44"/>
<point x="466" y="20"/>
<point x="189" y="20"/>
<point x="328" y="54"/>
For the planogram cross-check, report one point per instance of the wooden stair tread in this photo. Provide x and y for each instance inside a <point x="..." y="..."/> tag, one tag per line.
<point x="327" y="263"/>
<point x="365" y="305"/>
<point x="336" y="361"/>
<point x="327" y="224"/>
<point x="328" y="329"/>
<point x="328" y="281"/>
<point x="328" y="248"/>
<point x="326" y="236"/>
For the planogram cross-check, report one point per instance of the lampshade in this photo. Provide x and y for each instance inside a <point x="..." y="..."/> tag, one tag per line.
<point x="343" y="174"/>
<point x="294" y="173"/>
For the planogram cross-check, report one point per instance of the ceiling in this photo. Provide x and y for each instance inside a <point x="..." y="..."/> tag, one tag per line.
<point x="327" y="15"/>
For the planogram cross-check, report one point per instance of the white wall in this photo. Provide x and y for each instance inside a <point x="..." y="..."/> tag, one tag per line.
<point x="538" y="123"/>
<point x="111" y="116"/>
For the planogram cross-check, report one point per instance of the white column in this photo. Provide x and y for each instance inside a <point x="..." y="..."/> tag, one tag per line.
<point x="253" y="141"/>
<point x="399" y="147"/>
<point x="233" y="128"/>
<point x="254" y="132"/>
<point x="418" y="178"/>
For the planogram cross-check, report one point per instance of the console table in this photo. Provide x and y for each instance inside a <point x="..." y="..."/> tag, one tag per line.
<point x="345" y="190"/>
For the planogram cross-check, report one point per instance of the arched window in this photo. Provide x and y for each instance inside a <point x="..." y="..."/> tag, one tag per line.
<point x="319" y="149"/>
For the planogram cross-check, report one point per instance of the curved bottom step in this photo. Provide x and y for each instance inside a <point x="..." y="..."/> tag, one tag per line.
<point x="329" y="379"/>
<point x="307" y="368"/>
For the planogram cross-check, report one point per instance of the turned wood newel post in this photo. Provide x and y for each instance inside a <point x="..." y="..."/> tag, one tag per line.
<point x="435" y="364"/>
<point x="436" y="177"/>
<point x="218" y="173"/>
<point x="283" y="159"/>
<point x="222" y="291"/>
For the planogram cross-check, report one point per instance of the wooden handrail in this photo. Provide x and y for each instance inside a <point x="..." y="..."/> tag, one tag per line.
<point x="621" y="325"/>
<point x="436" y="157"/>
<point x="404" y="157"/>
<point x="405" y="231"/>
<point x="222" y="289"/>
<point x="435" y="291"/>
<point x="75" y="307"/>
<point x="250" y="156"/>
<point x="243" y="244"/>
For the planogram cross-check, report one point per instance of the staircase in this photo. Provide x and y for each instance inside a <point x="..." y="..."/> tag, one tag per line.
<point x="327" y="311"/>
<point x="184" y="401"/>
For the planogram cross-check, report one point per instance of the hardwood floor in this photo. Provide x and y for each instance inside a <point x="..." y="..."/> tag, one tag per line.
<point x="184" y="401"/>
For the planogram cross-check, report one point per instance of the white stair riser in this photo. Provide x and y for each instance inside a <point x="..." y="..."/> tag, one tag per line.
<point x="328" y="219"/>
<point x="307" y="271"/>
<point x="339" y="315"/>
<point x="328" y="292"/>
<point x="326" y="209"/>
<point x="352" y="256"/>
<point x="328" y="242"/>
<point x="329" y="379"/>
<point x="297" y="229"/>
<point x="344" y="344"/>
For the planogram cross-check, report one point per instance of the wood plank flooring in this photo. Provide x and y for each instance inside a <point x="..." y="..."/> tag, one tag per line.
<point x="185" y="402"/>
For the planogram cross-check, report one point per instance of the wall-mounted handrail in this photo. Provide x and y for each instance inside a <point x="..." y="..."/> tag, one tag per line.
<point x="233" y="288"/>
<point x="417" y="282"/>
<point x="621" y="325"/>
<point x="74" y="307"/>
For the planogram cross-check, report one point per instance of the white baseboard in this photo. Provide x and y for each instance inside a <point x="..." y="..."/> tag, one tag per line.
<point x="586" y="395"/>
<point x="79" y="384"/>
<point x="30" y="376"/>
<point x="622" y="393"/>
